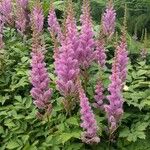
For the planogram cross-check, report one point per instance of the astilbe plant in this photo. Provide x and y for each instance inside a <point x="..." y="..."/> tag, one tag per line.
<point x="39" y="77"/>
<point x="66" y="69"/>
<point x="85" y="52"/>
<point x="66" y="65"/>
<point x="108" y="20"/>
<point x="7" y="11"/>
<point x="1" y="32"/>
<point x="71" y="31"/>
<point x="54" y="26"/>
<point x="100" y="55"/>
<point x="22" y="15"/>
<point x="74" y="54"/>
<point x="122" y="58"/>
<point x="99" y="95"/>
<point x="114" y="109"/>
<point x="89" y="123"/>
<point x="122" y="53"/>
<point x="23" y="3"/>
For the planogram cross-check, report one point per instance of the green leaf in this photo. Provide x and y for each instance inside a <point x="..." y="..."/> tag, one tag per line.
<point x="125" y="132"/>
<point x="12" y="145"/>
<point x="65" y="137"/>
<point x="1" y="130"/>
<point x="9" y="123"/>
<point x="3" y="99"/>
<point x="72" y="121"/>
<point x="25" y="138"/>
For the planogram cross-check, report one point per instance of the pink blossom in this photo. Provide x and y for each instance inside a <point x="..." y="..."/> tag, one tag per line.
<point x="108" y="21"/>
<point x="89" y="123"/>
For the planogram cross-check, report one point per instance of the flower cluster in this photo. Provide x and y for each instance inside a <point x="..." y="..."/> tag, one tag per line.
<point x="1" y="32"/>
<point x="122" y="59"/>
<point x="89" y="123"/>
<point x="99" y="96"/>
<point x="40" y="81"/>
<point x="40" y="91"/>
<point x="6" y="11"/>
<point x="37" y="19"/>
<point x="66" y="69"/>
<point x="21" y="15"/>
<point x="71" y="28"/>
<point x="114" y="110"/>
<point x="66" y="66"/>
<point x="108" y="20"/>
<point x="85" y="52"/>
<point x="23" y="4"/>
<point x="54" y="26"/>
<point x="100" y="54"/>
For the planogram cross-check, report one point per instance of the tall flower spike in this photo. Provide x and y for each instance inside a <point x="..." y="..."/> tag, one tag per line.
<point x="53" y="23"/>
<point x="23" y="3"/>
<point x="89" y="123"/>
<point x="6" y="11"/>
<point x="39" y="78"/>
<point x="85" y="52"/>
<point x="40" y="81"/>
<point x="99" y="96"/>
<point x="114" y="110"/>
<point x="71" y="27"/>
<point x="108" y="20"/>
<point x="1" y="32"/>
<point x="122" y="53"/>
<point x="21" y="15"/>
<point x="67" y="65"/>
<point x="66" y="69"/>
<point x="37" y="19"/>
<point x="100" y="53"/>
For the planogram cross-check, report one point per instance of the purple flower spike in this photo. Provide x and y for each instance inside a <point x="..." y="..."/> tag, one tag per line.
<point x="67" y="70"/>
<point x="99" y="97"/>
<point x="89" y="123"/>
<point x="122" y="59"/>
<point x="66" y="64"/>
<point x="21" y="15"/>
<point x="85" y="52"/>
<point x="100" y="53"/>
<point x="108" y="20"/>
<point x="114" y="110"/>
<point x="71" y="28"/>
<point x="41" y="93"/>
<point x="40" y="81"/>
<point x="23" y="3"/>
<point x="38" y="18"/>
<point x="6" y="11"/>
<point x="54" y="26"/>
<point x="1" y="32"/>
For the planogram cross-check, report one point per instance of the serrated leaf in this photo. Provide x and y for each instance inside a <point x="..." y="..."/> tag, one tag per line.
<point x="25" y="138"/>
<point x="9" y="123"/>
<point x="72" y="121"/>
<point x="12" y="145"/>
<point x="1" y="130"/>
<point x="64" y="137"/>
<point x="124" y="133"/>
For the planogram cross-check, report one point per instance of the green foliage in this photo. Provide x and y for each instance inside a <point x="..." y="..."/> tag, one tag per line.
<point x="20" y="129"/>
